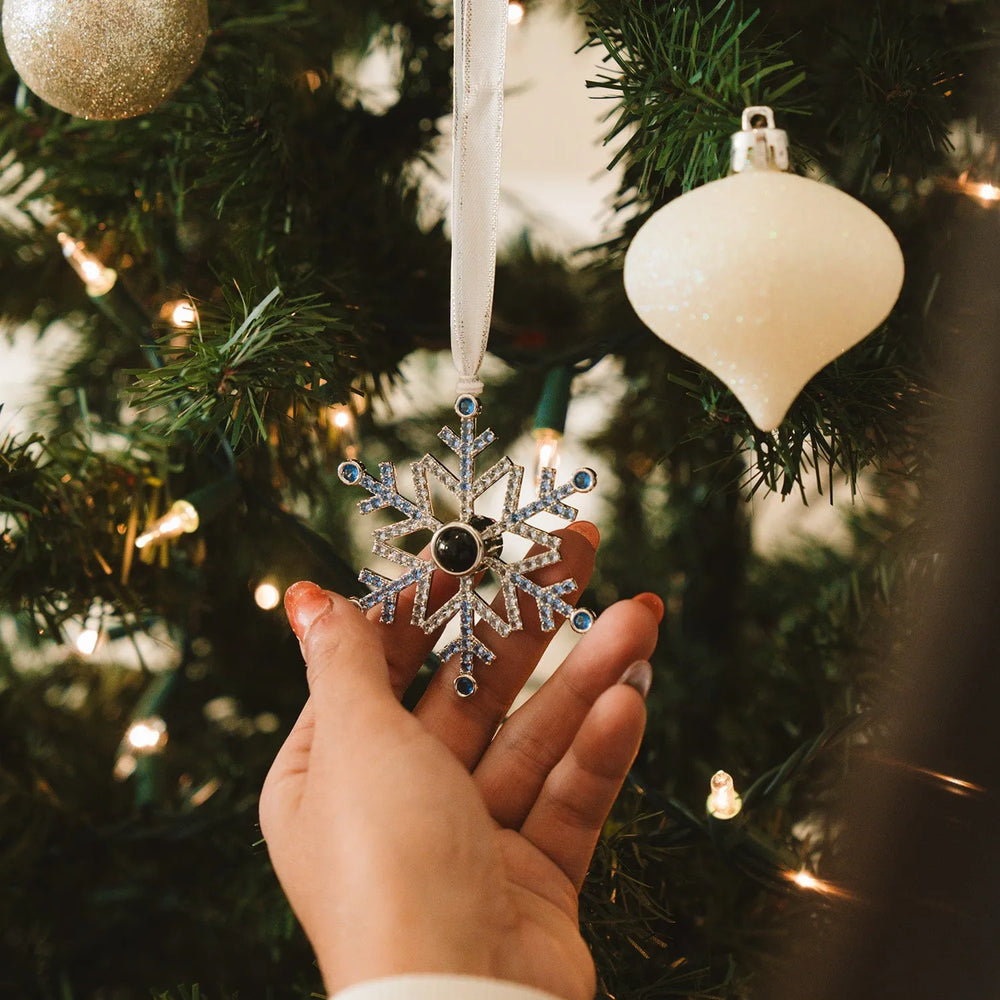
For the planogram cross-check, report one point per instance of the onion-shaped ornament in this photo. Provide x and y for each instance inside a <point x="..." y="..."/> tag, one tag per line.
<point x="105" y="59"/>
<point x="763" y="277"/>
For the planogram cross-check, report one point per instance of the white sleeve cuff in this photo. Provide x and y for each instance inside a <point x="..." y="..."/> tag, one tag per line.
<point x="435" y="987"/>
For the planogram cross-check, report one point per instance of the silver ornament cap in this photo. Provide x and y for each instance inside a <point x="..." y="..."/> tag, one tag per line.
<point x="104" y="59"/>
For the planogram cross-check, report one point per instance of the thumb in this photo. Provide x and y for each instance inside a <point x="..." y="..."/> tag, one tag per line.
<point x="345" y="660"/>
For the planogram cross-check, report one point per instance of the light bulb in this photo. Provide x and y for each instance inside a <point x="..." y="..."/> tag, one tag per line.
<point x="98" y="279"/>
<point x="723" y="802"/>
<point x="343" y="434"/>
<point x="763" y="277"/>
<point x="546" y="450"/>
<point x="266" y="595"/>
<point x="147" y="735"/>
<point x="182" y="313"/>
<point x="180" y="519"/>
<point x="86" y="641"/>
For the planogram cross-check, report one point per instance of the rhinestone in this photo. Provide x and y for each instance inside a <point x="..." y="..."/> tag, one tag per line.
<point x="349" y="472"/>
<point x="582" y="620"/>
<point x="584" y="480"/>
<point x="467" y="406"/>
<point x="465" y="685"/>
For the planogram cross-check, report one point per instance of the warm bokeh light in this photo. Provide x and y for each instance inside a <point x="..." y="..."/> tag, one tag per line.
<point x="546" y="450"/>
<point x="146" y="735"/>
<point x="182" y="517"/>
<point x="267" y="595"/>
<point x="723" y="802"/>
<point x="183" y="314"/>
<point x="86" y="641"/>
<point x="515" y="12"/>
<point x="805" y="879"/>
<point x="98" y="279"/>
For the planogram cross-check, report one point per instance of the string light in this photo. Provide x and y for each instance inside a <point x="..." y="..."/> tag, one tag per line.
<point x="266" y="595"/>
<point x="86" y="641"/>
<point x="546" y="449"/>
<point x="343" y="427"/>
<point x="723" y="801"/>
<point x="180" y="313"/>
<point x="515" y="13"/>
<point x="550" y="419"/>
<point x="98" y="279"/>
<point x="181" y="518"/>
<point x="90" y="634"/>
<point x="805" y="879"/>
<point x="147" y="735"/>
<point x="985" y="192"/>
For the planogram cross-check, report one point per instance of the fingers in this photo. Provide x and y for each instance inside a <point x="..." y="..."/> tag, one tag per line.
<point x="406" y="645"/>
<point x="345" y="662"/>
<point x="529" y="744"/>
<point x="466" y="725"/>
<point x="577" y="796"/>
<point x="283" y="786"/>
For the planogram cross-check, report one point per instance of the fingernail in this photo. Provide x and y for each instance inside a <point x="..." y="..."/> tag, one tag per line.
<point x="638" y="676"/>
<point x="651" y="601"/>
<point x="304" y="603"/>
<point x="588" y="530"/>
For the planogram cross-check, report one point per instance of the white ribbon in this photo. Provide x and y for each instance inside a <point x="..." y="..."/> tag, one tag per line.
<point x="480" y="49"/>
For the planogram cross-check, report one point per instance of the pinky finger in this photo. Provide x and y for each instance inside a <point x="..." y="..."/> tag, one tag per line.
<point x="567" y="817"/>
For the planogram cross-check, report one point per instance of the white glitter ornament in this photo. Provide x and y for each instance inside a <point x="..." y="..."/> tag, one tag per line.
<point x="104" y="59"/>
<point x="763" y="277"/>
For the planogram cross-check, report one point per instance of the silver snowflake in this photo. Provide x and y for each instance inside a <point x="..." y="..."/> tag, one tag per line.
<point x="467" y="547"/>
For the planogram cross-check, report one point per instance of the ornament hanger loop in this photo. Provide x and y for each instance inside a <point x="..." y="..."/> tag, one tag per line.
<point x="759" y="147"/>
<point x="477" y="124"/>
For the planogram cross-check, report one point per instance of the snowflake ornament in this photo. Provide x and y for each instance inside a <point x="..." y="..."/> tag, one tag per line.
<point x="469" y="546"/>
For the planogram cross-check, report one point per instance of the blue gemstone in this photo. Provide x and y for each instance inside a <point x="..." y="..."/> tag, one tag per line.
<point x="465" y="685"/>
<point x="581" y="620"/>
<point x="584" y="479"/>
<point x="467" y="406"/>
<point x="349" y="472"/>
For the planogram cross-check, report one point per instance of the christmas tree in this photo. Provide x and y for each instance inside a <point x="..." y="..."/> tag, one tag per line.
<point x="260" y="271"/>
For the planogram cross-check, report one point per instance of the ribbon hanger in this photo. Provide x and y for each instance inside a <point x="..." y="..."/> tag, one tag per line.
<point x="477" y="126"/>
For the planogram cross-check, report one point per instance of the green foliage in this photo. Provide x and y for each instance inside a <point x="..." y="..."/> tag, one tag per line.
<point x="681" y="75"/>
<point x="259" y="173"/>
<point x="240" y="379"/>
<point x="60" y="505"/>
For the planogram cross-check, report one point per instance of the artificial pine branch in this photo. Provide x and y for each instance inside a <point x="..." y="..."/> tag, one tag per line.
<point x="681" y="75"/>
<point x="273" y="357"/>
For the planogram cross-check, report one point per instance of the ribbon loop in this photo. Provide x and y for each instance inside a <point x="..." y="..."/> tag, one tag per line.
<point x="480" y="51"/>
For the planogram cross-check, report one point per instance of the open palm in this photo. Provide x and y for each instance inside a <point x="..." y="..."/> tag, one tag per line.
<point x="422" y="842"/>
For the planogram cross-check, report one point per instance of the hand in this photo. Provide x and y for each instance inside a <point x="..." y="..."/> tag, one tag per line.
<point x="422" y="843"/>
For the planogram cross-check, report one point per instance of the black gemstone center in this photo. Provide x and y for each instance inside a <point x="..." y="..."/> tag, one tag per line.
<point x="457" y="549"/>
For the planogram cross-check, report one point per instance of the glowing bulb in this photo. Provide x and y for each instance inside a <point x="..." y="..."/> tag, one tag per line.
<point x="986" y="192"/>
<point x="546" y="449"/>
<point x="180" y="519"/>
<point x="723" y="802"/>
<point x="806" y="880"/>
<point x="515" y="12"/>
<point x="147" y="735"/>
<point x="98" y="279"/>
<point x="183" y="314"/>
<point x="267" y="595"/>
<point x="344" y="435"/>
<point x="86" y="641"/>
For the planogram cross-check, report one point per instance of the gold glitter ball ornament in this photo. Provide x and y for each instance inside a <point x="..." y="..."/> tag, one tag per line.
<point x="763" y="277"/>
<point x="104" y="59"/>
